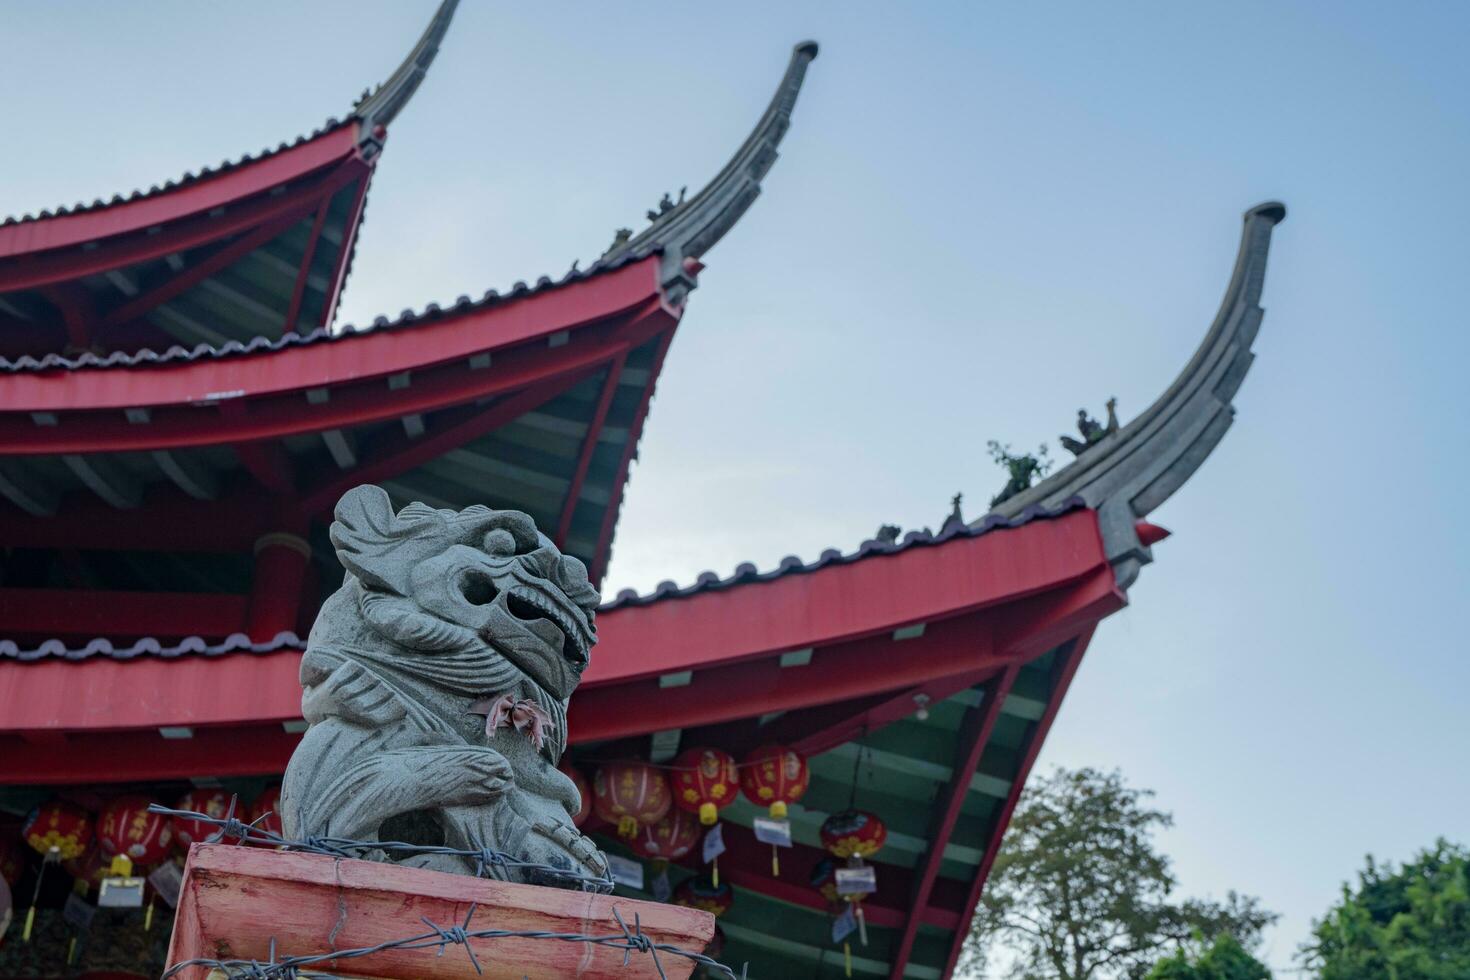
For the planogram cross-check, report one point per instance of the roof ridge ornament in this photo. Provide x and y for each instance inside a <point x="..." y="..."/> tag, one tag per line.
<point x="687" y="229"/>
<point x="1129" y="472"/>
<point x="376" y="110"/>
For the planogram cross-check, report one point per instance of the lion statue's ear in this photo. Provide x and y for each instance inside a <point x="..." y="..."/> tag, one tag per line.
<point x="370" y="538"/>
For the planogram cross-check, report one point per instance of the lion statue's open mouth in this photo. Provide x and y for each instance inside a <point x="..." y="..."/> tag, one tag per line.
<point x="436" y="682"/>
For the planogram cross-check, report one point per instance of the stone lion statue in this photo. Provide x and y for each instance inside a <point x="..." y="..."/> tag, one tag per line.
<point x="435" y="684"/>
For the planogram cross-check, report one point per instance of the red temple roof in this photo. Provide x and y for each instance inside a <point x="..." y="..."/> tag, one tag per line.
<point x="255" y="247"/>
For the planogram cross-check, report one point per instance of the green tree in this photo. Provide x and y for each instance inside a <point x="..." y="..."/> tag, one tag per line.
<point x="1224" y="959"/>
<point x="1079" y="892"/>
<point x="1409" y="923"/>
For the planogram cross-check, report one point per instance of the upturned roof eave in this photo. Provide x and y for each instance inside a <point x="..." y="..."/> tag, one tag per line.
<point x="360" y="133"/>
<point x="1134" y="470"/>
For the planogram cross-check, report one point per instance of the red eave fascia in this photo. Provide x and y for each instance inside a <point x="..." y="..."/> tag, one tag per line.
<point x="866" y="597"/>
<point x="195" y="197"/>
<point x="323" y="363"/>
<point x="844" y="601"/>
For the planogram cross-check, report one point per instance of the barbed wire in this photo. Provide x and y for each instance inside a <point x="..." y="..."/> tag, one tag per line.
<point x="630" y="941"/>
<point x="484" y="858"/>
<point x="438" y="937"/>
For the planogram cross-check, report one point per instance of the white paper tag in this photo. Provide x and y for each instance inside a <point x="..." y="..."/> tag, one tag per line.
<point x="844" y="925"/>
<point x="857" y="881"/>
<point x="120" y="893"/>
<point x="662" y="890"/>
<point x="167" y="879"/>
<point x="77" y="912"/>
<point x="625" y="872"/>
<point x="777" y="832"/>
<point x="714" y="842"/>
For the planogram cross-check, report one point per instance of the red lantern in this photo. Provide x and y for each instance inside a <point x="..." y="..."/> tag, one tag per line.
<point x="700" y="892"/>
<point x="668" y="840"/>
<point x="774" y="776"/>
<point x="128" y="828"/>
<point x="853" y="833"/>
<point x="583" y="791"/>
<point x="705" y="782"/>
<point x="628" y="794"/>
<point x="211" y="803"/>
<point x="60" y="827"/>
<point x="91" y="867"/>
<point x="265" y="812"/>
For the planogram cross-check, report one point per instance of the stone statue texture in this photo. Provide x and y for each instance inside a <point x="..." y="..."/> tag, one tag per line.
<point x="435" y="684"/>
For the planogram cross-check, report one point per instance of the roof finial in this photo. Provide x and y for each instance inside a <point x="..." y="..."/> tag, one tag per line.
<point x="688" y="228"/>
<point x="376" y="111"/>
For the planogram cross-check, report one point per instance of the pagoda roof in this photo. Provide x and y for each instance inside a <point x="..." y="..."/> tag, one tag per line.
<point x="256" y="246"/>
<point x="983" y="630"/>
<point x="430" y="313"/>
<point x="412" y="402"/>
<point x="377" y="108"/>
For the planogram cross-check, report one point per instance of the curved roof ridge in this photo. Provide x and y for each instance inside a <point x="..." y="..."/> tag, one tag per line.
<point x="429" y="313"/>
<point x="187" y="178"/>
<point x="746" y="572"/>
<point x="374" y="112"/>
<point x="148" y="646"/>
<point x="687" y="230"/>
<point x="1134" y="470"/>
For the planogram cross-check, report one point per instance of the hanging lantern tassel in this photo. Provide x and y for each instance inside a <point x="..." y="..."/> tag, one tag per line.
<point x="862" y="923"/>
<point x="148" y="916"/>
<point x="714" y="875"/>
<point x="775" y="862"/>
<point x="847" y="956"/>
<point x="71" y="951"/>
<point x="53" y="855"/>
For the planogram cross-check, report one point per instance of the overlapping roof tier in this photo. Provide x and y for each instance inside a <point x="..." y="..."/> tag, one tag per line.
<point x="173" y="398"/>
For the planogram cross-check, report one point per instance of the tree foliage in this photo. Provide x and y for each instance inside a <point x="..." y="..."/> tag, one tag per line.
<point x="1079" y="892"/>
<point x="1224" y="959"/>
<point x="1409" y="923"/>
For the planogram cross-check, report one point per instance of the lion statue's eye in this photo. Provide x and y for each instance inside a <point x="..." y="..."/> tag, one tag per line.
<point x="500" y="543"/>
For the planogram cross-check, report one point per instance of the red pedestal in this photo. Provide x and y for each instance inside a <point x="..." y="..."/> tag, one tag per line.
<point x="236" y="900"/>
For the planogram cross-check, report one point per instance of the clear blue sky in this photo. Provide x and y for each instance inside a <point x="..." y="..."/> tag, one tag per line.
<point x="985" y="216"/>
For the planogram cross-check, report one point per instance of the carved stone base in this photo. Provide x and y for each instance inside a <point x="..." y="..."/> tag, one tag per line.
<point x="236" y="900"/>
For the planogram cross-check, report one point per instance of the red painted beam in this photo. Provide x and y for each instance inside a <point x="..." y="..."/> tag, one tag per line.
<point x="841" y="602"/>
<point x="78" y="312"/>
<point x="121" y="757"/>
<point x="103" y="694"/>
<point x="192" y="275"/>
<point x="959" y="646"/>
<point x="589" y="446"/>
<point x="293" y="311"/>
<point x="818" y="734"/>
<point x="344" y="255"/>
<point x="404" y="454"/>
<point x="274" y="418"/>
<point x="84" y="613"/>
<point x="33" y="271"/>
<point x="374" y="354"/>
<point x="620" y="481"/>
<point x="200" y="196"/>
<point x="267" y="462"/>
<point x="974" y="735"/>
<point x="1064" y="672"/>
